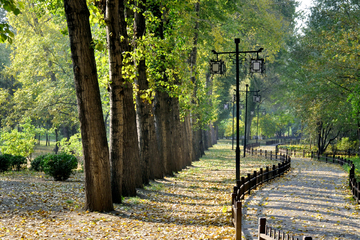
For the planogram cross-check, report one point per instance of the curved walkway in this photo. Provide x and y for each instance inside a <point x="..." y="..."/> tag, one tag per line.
<point x="313" y="199"/>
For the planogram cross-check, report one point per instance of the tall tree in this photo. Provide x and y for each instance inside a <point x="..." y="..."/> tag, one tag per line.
<point x="151" y="162"/>
<point x="124" y="151"/>
<point x="95" y="148"/>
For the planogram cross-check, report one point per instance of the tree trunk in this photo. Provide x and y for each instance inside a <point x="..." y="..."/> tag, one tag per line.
<point x="164" y="131"/>
<point x="95" y="147"/>
<point x="150" y="161"/>
<point x="188" y="141"/>
<point x="177" y="135"/>
<point x="116" y="97"/>
<point x="56" y="149"/>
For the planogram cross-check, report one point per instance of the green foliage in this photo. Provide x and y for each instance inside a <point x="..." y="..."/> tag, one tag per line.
<point x="6" y="33"/>
<point x="323" y="80"/>
<point x="45" y="89"/>
<point x="19" y="143"/>
<point x="72" y="146"/>
<point x="226" y="127"/>
<point x="38" y="163"/>
<point x="5" y="162"/>
<point x="345" y="144"/>
<point x="59" y="166"/>
<point x="17" y="162"/>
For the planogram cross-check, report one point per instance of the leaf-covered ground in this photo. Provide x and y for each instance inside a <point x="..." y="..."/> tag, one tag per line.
<point x="194" y="204"/>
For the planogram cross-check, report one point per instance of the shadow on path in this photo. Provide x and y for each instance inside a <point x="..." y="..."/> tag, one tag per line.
<point x="312" y="200"/>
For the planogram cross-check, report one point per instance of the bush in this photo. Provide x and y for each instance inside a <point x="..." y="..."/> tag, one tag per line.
<point x="59" y="166"/>
<point x="345" y="144"/>
<point x="38" y="163"/>
<point x="5" y="162"/>
<point x="17" y="161"/>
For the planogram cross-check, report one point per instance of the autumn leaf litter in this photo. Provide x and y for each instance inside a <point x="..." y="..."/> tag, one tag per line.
<point x="194" y="204"/>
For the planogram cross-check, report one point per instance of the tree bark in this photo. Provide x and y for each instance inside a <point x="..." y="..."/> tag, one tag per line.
<point x="95" y="147"/>
<point x="152" y="166"/>
<point x="164" y="131"/>
<point x="131" y="158"/>
<point x="116" y="97"/>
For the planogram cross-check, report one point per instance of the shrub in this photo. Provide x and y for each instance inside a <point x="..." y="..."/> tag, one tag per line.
<point x="5" y="162"/>
<point x="345" y="144"/>
<point x="38" y="163"/>
<point x="17" y="161"/>
<point x="59" y="166"/>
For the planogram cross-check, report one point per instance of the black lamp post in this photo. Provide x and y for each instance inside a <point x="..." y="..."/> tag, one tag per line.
<point x="257" y="65"/>
<point x="257" y="122"/>
<point x="256" y="98"/>
<point x="232" y="142"/>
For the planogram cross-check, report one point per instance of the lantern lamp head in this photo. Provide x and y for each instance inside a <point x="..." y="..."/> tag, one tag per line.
<point x="217" y="67"/>
<point x="257" y="98"/>
<point x="257" y="66"/>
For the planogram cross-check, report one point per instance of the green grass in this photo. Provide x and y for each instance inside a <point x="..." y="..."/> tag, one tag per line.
<point x="42" y="149"/>
<point x="356" y="161"/>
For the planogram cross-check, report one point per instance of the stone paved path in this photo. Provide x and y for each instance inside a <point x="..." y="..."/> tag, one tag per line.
<point x="313" y="199"/>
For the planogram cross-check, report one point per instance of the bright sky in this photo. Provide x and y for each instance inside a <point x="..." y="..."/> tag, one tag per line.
<point x="304" y="6"/>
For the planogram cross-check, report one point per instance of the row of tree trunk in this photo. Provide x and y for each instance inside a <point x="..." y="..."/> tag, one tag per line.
<point x="150" y="143"/>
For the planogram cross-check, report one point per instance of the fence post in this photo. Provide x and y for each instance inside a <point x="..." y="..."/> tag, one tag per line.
<point x="279" y="169"/>
<point x="303" y="153"/>
<point x="261" y="173"/>
<point x="353" y="186"/>
<point x="351" y="176"/>
<point x="358" y="191"/>
<point x="267" y="174"/>
<point x="265" y="154"/>
<point x="249" y="183"/>
<point x="242" y="190"/>
<point x="238" y="220"/>
<point x="307" y="238"/>
<point x="274" y="172"/>
<point x="270" y="155"/>
<point x="233" y="195"/>
<point x="262" y="227"/>
<point x="255" y="183"/>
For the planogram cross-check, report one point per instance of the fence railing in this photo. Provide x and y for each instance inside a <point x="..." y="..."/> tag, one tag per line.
<point x="268" y="233"/>
<point x="252" y="145"/>
<point x="303" y="153"/>
<point x="246" y="184"/>
<point x="294" y="153"/>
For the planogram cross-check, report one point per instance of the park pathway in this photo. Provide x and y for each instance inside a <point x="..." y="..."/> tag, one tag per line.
<point x="311" y="200"/>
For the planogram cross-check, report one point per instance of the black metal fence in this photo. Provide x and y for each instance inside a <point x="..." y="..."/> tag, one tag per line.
<point x="268" y="233"/>
<point x="246" y="184"/>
